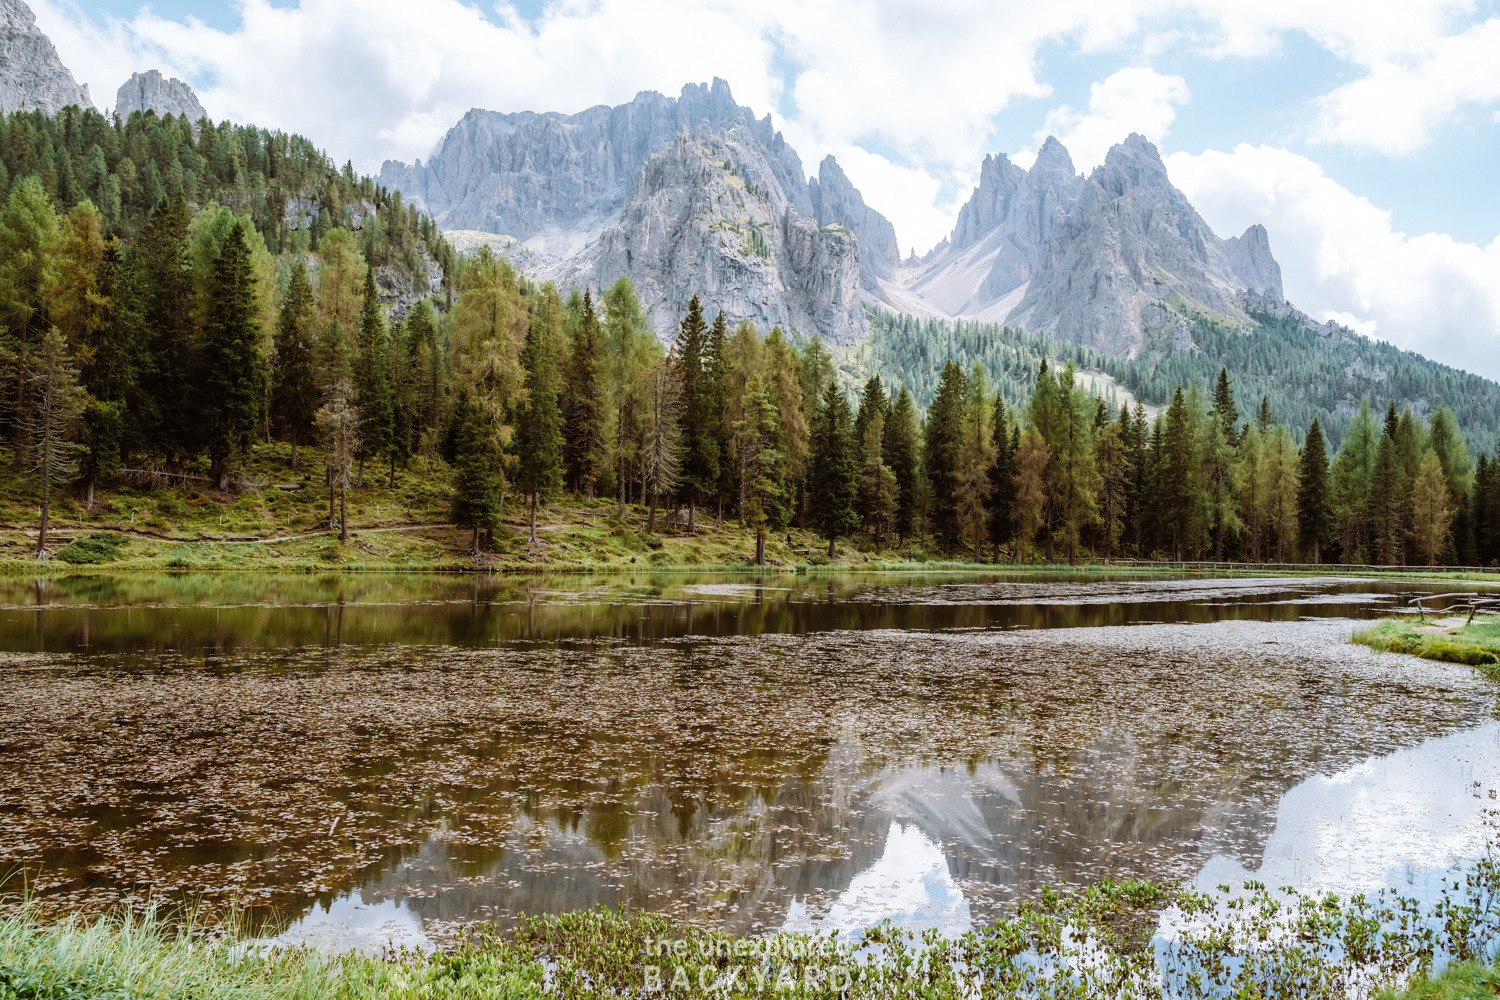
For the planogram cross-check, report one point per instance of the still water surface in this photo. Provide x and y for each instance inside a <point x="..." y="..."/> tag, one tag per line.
<point x="381" y="757"/>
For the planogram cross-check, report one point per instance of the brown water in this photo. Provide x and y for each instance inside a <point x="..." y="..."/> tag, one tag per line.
<point x="797" y="750"/>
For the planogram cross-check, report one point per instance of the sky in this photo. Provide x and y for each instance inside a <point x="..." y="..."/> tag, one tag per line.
<point x="1363" y="136"/>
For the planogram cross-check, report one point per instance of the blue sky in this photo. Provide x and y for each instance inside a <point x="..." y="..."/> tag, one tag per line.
<point x="1363" y="136"/>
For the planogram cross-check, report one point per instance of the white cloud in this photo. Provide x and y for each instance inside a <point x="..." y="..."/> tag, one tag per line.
<point x="1341" y="259"/>
<point x="1137" y="99"/>
<point x="1400" y="104"/>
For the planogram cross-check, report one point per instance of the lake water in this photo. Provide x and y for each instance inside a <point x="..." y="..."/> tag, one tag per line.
<point x="380" y="758"/>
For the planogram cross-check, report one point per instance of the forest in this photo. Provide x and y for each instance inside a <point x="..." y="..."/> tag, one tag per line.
<point x="175" y="296"/>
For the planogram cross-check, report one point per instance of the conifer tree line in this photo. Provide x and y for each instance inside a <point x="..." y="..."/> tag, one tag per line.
<point x="181" y="337"/>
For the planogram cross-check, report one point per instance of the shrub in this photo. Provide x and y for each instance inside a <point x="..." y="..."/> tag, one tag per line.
<point x="96" y="548"/>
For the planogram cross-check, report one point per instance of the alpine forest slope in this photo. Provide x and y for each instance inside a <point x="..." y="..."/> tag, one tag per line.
<point x="212" y="322"/>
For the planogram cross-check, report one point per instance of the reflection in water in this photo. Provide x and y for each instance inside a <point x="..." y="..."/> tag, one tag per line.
<point x="910" y="886"/>
<point x="732" y="754"/>
<point x="215" y="614"/>
<point x="1402" y="820"/>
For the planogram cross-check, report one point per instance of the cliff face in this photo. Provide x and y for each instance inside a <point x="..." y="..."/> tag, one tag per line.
<point x="32" y="77"/>
<point x="710" y="217"/>
<point x="150" y="91"/>
<point x="687" y="195"/>
<point x="839" y="203"/>
<point x="1111" y="261"/>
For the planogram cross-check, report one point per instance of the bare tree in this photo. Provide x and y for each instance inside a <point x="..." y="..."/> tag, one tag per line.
<point x="662" y="397"/>
<point x="339" y="422"/>
<point x="56" y="403"/>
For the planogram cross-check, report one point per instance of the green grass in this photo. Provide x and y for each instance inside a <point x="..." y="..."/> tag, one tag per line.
<point x="1477" y="645"/>
<point x="1462" y="981"/>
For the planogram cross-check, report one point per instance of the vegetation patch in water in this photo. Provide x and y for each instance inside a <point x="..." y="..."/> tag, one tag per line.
<point x="1477" y="644"/>
<point x="1097" y="943"/>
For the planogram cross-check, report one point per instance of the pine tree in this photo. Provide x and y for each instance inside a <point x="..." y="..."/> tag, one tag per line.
<point x="716" y="389"/>
<point x="699" y="478"/>
<point x="56" y="400"/>
<point x="585" y="418"/>
<point x="898" y="447"/>
<point x="872" y="401"/>
<point x="1384" y="502"/>
<point x="233" y="372"/>
<point x="538" y="425"/>
<point x="1177" y="483"/>
<point x="877" y="483"/>
<point x="1313" y="514"/>
<point x="832" y="486"/>
<point x="1112" y="458"/>
<point x="1353" y="467"/>
<point x="294" y="393"/>
<point x="1431" y="514"/>
<point x="760" y="429"/>
<point x="28" y="273"/>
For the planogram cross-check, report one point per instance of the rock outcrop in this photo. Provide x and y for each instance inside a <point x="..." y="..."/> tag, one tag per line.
<point x="687" y="195"/>
<point x="150" y="91"/>
<point x="711" y="217"/>
<point x="32" y="77"/>
<point x="839" y="203"/>
<point x="1111" y="261"/>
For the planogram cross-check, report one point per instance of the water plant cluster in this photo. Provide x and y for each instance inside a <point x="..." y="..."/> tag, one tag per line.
<point x="1105" y="942"/>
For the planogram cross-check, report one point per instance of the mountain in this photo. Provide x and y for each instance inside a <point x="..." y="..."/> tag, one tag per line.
<point x="149" y="91"/>
<point x="687" y="195"/>
<point x="32" y="78"/>
<point x="1107" y="262"/>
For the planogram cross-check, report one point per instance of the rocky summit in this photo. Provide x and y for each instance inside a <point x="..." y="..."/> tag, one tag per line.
<point x="32" y="77"/>
<point x="687" y="195"/>
<point x="1114" y="261"/>
<point x="695" y="195"/>
<point x="150" y="91"/>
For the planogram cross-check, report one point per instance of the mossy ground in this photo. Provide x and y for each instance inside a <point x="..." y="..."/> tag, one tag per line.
<point x="1477" y="644"/>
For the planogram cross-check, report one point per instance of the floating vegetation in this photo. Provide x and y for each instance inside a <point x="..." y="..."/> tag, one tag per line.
<point x="706" y="778"/>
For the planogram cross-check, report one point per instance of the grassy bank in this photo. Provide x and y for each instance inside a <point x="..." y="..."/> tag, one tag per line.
<point x="1477" y="644"/>
<point x="1219" y="949"/>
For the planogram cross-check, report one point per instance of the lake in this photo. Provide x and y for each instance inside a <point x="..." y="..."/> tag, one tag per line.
<point x="389" y="757"/>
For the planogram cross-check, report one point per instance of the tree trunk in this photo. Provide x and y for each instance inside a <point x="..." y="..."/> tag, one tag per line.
<point x="330" y="499"/>
<point x="622" y="485"/>
<point x="359" y="483"/>
<point x="223" y="477"/>
<point x="295" y="463"/>
<point x="532" y="540"/>
<point x="343" y="515"/>
<point x="830" y="549"/>
<point x="651" y="517"/>
<point x="41" y="535"/>
<point x="692" y="515"/>
<point x="475" y="547"/>
<point x="1316" y="560"/>
<point x="719" y="517"/>
<point x="760" y="548"/>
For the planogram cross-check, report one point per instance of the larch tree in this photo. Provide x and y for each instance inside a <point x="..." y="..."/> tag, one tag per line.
<point x="661" y="442"/>
<point x="372" y="385"/>
<point x="1353" y="470"/>
<point x="1112" y="459"/>
<point x="1431" y="514"/>
<point x="976" y="455"/>
<point x="1030" y="481"/>
<point x="56" y="402"/>
<point x="878" y="483"/>
<point x="233" y="367"/>
<point x="476" y="492"/>
<point x="28" y="273"/>
<point x="760" y="431"/>
<point x="632" y="353"/>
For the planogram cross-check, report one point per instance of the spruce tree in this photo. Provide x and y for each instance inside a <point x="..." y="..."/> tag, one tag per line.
<point x="372" y="382"/>
<point x="538" y="425"/>
<point x="872" y="401"/>
<point x="1177" y="483"/>
<point x="1002" y="477"/>
<point x="476" y="492"/>
<point x="294" y="389"/>
<point x="585" y="417"/>
<point x="833" y="473"/>
<point x="1313" y="515"/>
<point x="899" y="450"/>
<point x="943" y="439"/>
<point x="699" y="476"/>
<point x="163" y="282"/>
<point x="716" y="395"/>
<point x="233" y="373"/>
<point x="1224" y="408"/>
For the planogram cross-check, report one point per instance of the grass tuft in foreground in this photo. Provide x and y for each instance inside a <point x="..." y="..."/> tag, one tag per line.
<point x="1096" y="943"/>
<point x="1460" y="981"/>
<point x="1478" y="644"/>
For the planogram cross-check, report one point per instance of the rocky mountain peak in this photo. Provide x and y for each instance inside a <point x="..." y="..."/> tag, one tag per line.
<point x="150" y="91"/>
<point x="32" y="77"/>
<point x="837" y="202"/>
